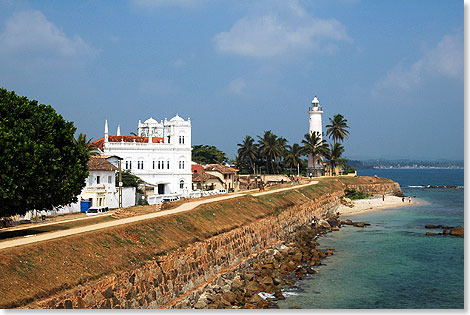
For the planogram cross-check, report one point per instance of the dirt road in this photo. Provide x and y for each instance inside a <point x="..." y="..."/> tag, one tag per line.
<point x="184" y="207"/>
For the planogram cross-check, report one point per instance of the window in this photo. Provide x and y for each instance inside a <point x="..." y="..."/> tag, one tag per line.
<point x="140" y="165"/>
<point x="168" y="165"/>
<point x="169" y="139"/>
<point x="109" y="179"/>
<point x="153" y="164"/>
<point x="90" y="180"/>
<point x="181" y="165"/>
<point x="97" y="180"/>
<point x="181" y="184"/>
<point x="160" y="166"/>
<point x="181" y="139"/>
<point x="128" y="165"/>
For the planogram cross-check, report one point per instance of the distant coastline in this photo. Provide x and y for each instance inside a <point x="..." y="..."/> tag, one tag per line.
<point x="417" y="167"/>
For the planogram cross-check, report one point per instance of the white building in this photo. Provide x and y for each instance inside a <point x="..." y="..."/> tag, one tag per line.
<point x="315" y="165"/>
<point x="160" y="154"/>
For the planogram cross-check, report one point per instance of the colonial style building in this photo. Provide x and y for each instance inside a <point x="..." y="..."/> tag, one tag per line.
<point x="160" y="154"/>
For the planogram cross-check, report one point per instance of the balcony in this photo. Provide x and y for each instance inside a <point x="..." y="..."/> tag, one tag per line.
<point x="315" y="109"/>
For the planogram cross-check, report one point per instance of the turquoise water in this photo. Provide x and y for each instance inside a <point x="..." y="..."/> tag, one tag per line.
<point x="392" y="264"/>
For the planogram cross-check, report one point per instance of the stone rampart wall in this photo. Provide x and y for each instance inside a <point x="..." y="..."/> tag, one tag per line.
<point x="174" y="280"/>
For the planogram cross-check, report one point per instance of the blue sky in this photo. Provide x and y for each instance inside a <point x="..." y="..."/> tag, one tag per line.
<point x="394" y="69"/>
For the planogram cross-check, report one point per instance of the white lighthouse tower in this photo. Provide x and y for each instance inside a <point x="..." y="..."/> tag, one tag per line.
<point x="315" y="163"/>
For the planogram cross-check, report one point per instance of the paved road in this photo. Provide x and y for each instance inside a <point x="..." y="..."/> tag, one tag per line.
<point x="184" y="207"/>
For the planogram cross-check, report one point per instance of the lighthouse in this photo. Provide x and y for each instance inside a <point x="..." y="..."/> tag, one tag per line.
<point x="315" y="163"/>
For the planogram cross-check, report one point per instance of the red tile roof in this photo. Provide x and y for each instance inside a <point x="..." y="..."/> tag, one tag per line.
<point x="99" y="143"/>
<point x="97" y="163"/>
<point x="199" y="177"/>
<point x="221" y="169"/>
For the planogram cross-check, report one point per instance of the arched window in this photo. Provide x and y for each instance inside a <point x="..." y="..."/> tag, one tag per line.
<point x="181" y="165"/>
<point x="181" y="184"/>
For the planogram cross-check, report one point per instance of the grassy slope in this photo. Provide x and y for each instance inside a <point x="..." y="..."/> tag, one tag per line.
<point x="39" y="270"/>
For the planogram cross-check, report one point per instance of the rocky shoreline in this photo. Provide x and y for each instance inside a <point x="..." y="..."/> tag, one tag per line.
<point x="259" y="282"/>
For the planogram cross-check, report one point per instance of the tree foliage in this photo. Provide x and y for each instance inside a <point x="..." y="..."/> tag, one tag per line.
<point x="82" y="140"/>
<point x="128" y="179"/>
<point x="271" y="153"/>
<point x="207" y="154"/>
<point x="337" y="130"/>
<point x="42" y="166"/>
<point x="333" y="155"/>
<point x="247" y="152"/>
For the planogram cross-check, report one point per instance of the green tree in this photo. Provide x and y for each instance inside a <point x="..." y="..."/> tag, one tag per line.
<point x="293" y="156"/>
<point x="248" y="151"/>
<point x="42" y="166"/>
<point x="337" y="130"/>
<point x="208" y="154"/>
<point x="269" y="149"/>
<point x="333" y="155"/>
<point x="314" y="145"/>
<point x="129" y="179"/>
<point x="83" y="141"/>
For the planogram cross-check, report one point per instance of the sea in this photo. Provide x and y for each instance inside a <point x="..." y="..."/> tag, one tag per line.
<point x="392" y="264"/>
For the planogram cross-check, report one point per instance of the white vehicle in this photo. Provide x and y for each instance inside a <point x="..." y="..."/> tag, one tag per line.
<point x="97" y="210"/>
<point x="169" y="199"/>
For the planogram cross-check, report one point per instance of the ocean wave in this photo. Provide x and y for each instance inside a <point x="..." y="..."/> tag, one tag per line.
<point x="435" y="186"/>
<point x="289" y="293"/>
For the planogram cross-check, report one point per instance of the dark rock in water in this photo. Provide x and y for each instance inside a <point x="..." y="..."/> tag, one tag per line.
<point x="445" y="232"/>
<point x="432" y="226"/>
<point x="457" y="231"/>
<point x="359" y="224"/>
<point x="332" y="222"/>
<point x="335" y="228"/>
<point x="347" y="222"/>
<point x="432" y="234"/>
<point x="366" y="224"/>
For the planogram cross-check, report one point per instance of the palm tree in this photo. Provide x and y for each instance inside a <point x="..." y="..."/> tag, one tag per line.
<point x="282" y="143"/>
<point x="269" y="148"/>
<point x="333" y="155"/>
<point x="293" y="156"/>
<point x="82" y="140"/>
<point x="338" y="128"/>
<point x="248" y="150"/>
<point x="314" y="146"/>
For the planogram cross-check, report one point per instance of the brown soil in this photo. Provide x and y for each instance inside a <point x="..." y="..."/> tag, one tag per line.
<point x="36" y="271"/>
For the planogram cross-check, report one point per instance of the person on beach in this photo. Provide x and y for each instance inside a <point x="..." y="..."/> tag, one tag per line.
<point x="402" y="199"/>
<point x="383" y="197"/>
<point x="313" y="221"/>
<point x="409" y="199"/>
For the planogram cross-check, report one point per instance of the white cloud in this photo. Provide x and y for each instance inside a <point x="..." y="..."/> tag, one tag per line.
<point x="288" y="29"/>
<point x="237" y="86"/>
<point x="29" y="33"/>
<point x="445" y="60"/>
<point x="167" y="3"/>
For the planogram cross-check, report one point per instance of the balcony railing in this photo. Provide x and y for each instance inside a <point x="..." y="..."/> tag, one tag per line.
<point x="315" y="109"/>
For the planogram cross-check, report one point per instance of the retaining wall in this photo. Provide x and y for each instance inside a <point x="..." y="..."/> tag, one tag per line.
<point x="174" y="280"/>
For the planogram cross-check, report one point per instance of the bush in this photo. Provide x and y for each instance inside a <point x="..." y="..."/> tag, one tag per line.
<point x="355" y="195"/>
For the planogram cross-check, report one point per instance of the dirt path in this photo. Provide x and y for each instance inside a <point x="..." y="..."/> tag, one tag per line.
<point x="184" y="207"/>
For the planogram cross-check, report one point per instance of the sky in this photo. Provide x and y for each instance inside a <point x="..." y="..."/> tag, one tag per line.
<point x="393" y="68"/>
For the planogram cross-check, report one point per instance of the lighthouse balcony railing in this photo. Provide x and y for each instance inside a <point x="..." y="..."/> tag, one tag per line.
<point x="315" y="108"/>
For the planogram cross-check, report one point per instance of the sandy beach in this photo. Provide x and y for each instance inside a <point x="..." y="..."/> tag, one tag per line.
<point x="376" y="203"/>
